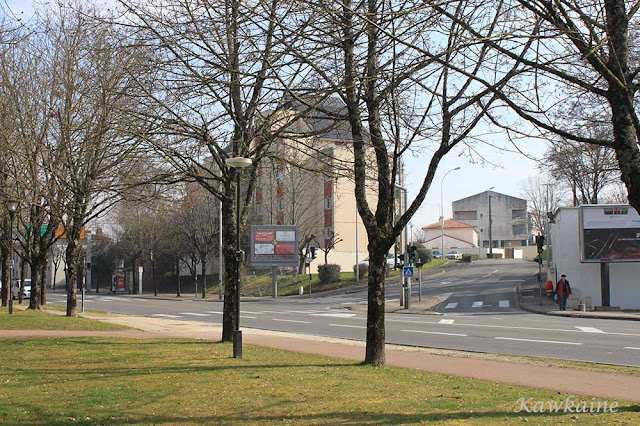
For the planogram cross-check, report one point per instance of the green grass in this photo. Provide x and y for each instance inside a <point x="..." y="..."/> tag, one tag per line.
<point x="290" y="285"/>
<point x="42" y="320"/>
<point x="117" y="381"/>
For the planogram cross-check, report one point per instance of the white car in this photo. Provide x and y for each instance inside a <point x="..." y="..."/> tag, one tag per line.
<point x="390" y="262"/>
<point x="437" y="254"/>
<point x="454" y="254"/>
<point x="27" y="289"/>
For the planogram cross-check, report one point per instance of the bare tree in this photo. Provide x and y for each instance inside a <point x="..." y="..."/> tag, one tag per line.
<point x="215" y="75"/>
<point x="543" y="195"/>
<point x="407" y="75"/>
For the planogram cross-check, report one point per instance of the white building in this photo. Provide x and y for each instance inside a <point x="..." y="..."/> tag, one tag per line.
<point x="585" y="278"/>
<point x="456" y="235"/>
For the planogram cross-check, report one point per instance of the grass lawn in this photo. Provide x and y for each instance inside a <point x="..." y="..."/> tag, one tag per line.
<point x="289" y="285"/>
<point x="41" y="320"/>
<point x="116" y="381"/>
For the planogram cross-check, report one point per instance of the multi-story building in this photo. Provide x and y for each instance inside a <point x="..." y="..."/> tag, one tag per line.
<point x="501" y="219"/>
<point x="307" y="181"/>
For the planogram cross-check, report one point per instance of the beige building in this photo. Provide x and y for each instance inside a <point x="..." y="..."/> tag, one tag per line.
<point x="307" y="181"/>
<point x="456" y="235"/>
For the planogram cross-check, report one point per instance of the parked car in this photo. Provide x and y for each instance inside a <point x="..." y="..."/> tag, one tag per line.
<point x="437" y="254"/>
<point x="27" y="289"/>
<point x="390" y="262"/>
<point x="454" y="254"/>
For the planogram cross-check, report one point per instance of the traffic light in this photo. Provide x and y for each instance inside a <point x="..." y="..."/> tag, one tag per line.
<point x="419" y="263"/>
<point x="312" y="249"/>
<point x="412" y="254"/>
<point x="540" y="243"/>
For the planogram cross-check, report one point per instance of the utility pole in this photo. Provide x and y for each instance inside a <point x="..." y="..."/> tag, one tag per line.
<point x="490" y="224"/>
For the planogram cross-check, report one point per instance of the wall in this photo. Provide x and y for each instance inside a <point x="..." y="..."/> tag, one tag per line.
<point x="625" y="291"/>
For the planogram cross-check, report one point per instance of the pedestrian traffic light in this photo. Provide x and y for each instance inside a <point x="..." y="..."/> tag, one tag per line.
<point x="312" y="249"/>
<point x="539" y="242"/>
<point x="419" y="263"/>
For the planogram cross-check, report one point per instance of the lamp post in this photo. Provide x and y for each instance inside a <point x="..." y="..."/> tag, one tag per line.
<point x="238" y="163"/>
<point x="490" y="224"/>
<point x="12" y="206"/>
<point x="442" y="212"/>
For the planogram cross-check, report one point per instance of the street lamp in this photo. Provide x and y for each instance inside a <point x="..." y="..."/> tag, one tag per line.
<point x="442" y="212"/>
<point x="238" y="163"/>
<point x="12" y="206"/>
<point x="490" y="223"/>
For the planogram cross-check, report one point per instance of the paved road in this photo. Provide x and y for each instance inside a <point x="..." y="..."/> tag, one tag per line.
<point x="478" y="314"/>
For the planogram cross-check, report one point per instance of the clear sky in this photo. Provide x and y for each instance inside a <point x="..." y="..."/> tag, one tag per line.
<point x="504" y="171"/>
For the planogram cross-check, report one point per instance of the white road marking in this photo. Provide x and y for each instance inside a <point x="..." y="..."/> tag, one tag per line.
<point x="446" y="321"/>
<point x="285" y="320"/>
<point x="477" y="305"/>
<point x="347" y="326"/>
<point x="247" y="316"/>
<point x="511" y="281"/>
<point x="631" y="347"/>
<point x="194" y="314"/>
<point x="434" y="332"/>
<point x="213" y="312"/>
<point x="255" y="313"/>
<point x="589" y="329"/>
<point x="537" y="341"/>
<point x="451" y="306"/>
<point x="336" y="315"/>
<point x="166" y="316"/>
<point x="503" y="303"/>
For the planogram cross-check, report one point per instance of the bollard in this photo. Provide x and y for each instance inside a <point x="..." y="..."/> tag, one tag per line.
<point x="301" y="291"/>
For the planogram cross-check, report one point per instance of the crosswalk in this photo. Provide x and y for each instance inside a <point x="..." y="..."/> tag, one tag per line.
<point x="477" y="305"/>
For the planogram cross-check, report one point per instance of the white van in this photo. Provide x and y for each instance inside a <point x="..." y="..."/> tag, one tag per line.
<point x="27" y="289"/>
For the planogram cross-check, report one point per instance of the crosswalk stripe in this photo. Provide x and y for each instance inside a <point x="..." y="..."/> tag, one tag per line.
<point x="503" y="303"/>
<point x="446" y="321"/>
<point x="477" y="304"/>
<point x="589" y="329"/>
<point x="195" y="314"/>
<point x="451" y="306"/>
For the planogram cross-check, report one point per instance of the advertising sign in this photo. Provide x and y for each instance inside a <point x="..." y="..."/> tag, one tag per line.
<point x="117" y="282"/>
<point x="274" y="245"/>
<point x="609" y="234"/>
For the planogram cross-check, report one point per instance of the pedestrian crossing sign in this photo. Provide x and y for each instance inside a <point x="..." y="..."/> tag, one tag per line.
<point x="407" y="271"/>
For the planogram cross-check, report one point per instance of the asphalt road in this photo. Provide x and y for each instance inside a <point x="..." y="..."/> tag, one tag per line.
<point x="478" y="306"/>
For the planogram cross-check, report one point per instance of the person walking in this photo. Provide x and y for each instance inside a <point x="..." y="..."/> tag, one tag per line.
<point x="563" y="290"/>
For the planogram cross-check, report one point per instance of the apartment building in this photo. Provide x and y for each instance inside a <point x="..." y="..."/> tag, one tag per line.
<point x="501" y="220"/>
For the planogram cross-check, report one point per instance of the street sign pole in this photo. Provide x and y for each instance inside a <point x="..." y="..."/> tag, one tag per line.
<point x="419" y="284"/>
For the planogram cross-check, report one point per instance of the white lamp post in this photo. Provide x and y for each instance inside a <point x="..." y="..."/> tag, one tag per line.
<point x="442" y="211"/>
<point x="238" y="163"/>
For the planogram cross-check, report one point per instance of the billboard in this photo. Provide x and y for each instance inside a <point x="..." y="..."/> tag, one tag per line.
<point x="118" y="282"/>
<point x="274" y="245"/>
<point x="609" y="233"/>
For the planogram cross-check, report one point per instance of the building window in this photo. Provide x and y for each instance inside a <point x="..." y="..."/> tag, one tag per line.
<point x="519" y="230"/>
<point x="328" y="203"/>
<point x="485" y="244"/>
<point x="518" y="214"/>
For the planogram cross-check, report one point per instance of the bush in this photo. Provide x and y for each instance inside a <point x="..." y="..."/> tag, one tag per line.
<point x="469" y="257"/>
<point x="363" y="270"/>
<point x="494" y="255"/>
<point x="424" y="253"/>
<point x="329" y="273"/>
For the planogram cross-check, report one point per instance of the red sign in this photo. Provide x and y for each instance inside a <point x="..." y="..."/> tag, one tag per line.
<point x="264" y="236"/>
<point x="286" y="248"/>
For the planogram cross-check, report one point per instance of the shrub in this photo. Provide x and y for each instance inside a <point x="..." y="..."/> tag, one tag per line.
<point x="424" y="253"/>
<point x="329" y="273"/>
<point x="469" y="257"/>
<point x="363" y="270"/>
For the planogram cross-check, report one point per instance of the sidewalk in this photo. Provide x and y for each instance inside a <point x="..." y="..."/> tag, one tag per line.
<point x="456" y="363"/>
<point x="529" y="300"/>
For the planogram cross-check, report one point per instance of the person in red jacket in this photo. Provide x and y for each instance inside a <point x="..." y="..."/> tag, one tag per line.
<point x="563" y="290"/>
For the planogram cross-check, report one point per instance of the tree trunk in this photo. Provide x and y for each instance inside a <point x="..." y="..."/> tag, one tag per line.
<point x="230" y="265"/>
<point x="194" y="275"/>
<point x="5" y="252"/>
<point x="178" y="273"/>
<point x="153" y="277"/>
<point x="71" y="257"/>
<point x="36" y="281"/>
<point x="204" y="276"/>
<point x="375" y="354"/>
<point x="23" y="272"/>
<point x="134" y="287"/>
<point x="43" y="285"/>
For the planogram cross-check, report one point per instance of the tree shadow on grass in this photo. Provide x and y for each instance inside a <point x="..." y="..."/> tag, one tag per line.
<point x="35" y="415"/>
